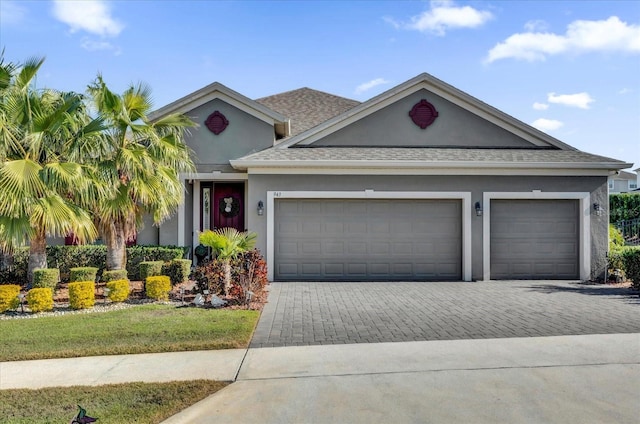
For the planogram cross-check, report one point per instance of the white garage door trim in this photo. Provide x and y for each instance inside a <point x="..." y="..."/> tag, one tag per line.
<point x="465" y="197"/>
<point x="584" y="232"/>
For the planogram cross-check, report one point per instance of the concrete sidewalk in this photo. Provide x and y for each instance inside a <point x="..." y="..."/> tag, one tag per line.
<point x="588" y="379"/>
<point x="221" y="365"/>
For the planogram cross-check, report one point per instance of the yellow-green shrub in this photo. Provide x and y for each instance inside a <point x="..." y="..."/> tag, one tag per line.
<point x="82" y="294"/>
<point x="9" y="296"/>
<point x="40" y="299"/>
<point x="119" y="290"/>
<point x="116" y="274"/>
<point x="83" y="273"/>
<point x="158" y="287"/>
<point x="46" y="277"/>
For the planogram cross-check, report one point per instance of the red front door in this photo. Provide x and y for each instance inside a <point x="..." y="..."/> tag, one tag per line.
<point x="227" y="206"/>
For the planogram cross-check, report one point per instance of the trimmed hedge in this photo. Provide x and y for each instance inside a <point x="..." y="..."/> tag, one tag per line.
<point x="150" y="269"/>
<point x="623" y="206"/>
<point x="67" y="257"/>
<point x="82" y="294"/>
<point x="46" y="277"/>
<point x="85" y="273"/>
<point x="40" y="299"/>
<point x="631" y="260"/>
<point x="137" y="254"/>
<point x="119" y="290"/>
<point x="116" y="274"/>
<point x="178" y="270"/>
<point x="158" y="287"/>
<point x="9" y="296"/>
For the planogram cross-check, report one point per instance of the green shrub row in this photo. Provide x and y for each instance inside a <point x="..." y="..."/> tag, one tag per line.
<point x="66" y="257"/>
<point x="623" y="206"/>
<point x="627" y="259"/>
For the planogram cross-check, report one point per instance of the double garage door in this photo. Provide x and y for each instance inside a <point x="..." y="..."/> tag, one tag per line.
<point x="367" y="240"/>
<point x="534" y="239"/>
<point x="420" y="240"/>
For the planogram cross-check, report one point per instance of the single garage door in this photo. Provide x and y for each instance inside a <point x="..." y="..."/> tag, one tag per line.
<point x="361" y="240"/>
<point x="534" y="239"/>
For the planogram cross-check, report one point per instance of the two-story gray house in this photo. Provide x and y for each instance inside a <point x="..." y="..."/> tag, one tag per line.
<point x="422" y="182"/>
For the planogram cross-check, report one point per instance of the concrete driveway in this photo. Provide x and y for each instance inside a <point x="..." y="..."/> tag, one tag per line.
<point x="342" y="313"/>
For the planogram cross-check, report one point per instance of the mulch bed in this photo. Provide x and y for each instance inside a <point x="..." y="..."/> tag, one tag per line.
<point x="183" y="293"/>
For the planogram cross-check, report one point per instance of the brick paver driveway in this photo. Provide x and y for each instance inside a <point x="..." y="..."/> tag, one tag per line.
<point x="332" y="313"/>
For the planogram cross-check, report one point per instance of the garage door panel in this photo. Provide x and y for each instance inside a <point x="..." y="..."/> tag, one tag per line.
<point x="334" y="269"/>
<point x="534" y="239"/>
<point x="311" y="248"/>
<point x="333" y="248"/>
<point x="368" y="239"/>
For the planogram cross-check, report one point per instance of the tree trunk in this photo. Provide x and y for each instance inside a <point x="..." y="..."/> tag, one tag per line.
<point x="116" y="246"/>
<point x="37" y="255"/>
<point x="227" y="276"/>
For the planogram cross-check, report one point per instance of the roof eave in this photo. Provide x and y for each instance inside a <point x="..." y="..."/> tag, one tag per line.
<point x="377" y="164"/>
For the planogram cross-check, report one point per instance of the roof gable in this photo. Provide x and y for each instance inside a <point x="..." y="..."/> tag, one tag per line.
<point x="307" y="108"/>
<point x="219" y="91"/>
<point x="432" y="86"/>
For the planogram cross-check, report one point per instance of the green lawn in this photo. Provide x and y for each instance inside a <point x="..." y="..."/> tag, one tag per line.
<point x="141" y="329"/>
<point x="116" y="403"/>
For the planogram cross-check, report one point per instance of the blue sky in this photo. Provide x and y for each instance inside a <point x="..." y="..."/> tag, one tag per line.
<point x="571" y="69"/>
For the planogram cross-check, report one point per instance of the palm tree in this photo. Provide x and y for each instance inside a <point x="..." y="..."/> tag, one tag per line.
<point x="143" y="162"/>
<point x="44" y="134"/>
<point x="228" y="243"/>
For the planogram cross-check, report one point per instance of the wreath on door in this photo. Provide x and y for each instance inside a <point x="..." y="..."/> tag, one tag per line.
<point x="229" y="206"/>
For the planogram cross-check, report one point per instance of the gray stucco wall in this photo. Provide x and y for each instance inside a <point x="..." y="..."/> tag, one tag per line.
<point x="245" y="134"/>
<point x="149" y="234"/>
<point x="392" y="126"/>
<point x="476" y="185"/>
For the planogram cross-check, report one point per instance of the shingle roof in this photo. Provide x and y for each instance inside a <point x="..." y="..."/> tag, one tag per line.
<point x="307" y="108"/>
<point x="424" y="157"/>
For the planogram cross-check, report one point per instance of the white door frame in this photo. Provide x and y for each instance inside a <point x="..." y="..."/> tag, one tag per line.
<point x="584" y="231"/>
<point x="465" y="197"/>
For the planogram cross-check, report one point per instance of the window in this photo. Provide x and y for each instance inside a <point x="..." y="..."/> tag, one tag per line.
<point x="610" y="184"/>
<point x="633" y="185"/>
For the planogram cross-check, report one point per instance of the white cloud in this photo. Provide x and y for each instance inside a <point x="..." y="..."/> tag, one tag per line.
<point x="540" y="106"/>
<point x="537" y="25"/>
<point x="11" y="13"/>
<point x="91" y="16"/>
<point x="92" y="45"/>
<point x="546" y="124"/>
<point x="581" y="36"/>
<point x="625" y="91"/>
<point x="580" y="100"/>
<point x="442" y="16"/>
<point x="370" y="84"/>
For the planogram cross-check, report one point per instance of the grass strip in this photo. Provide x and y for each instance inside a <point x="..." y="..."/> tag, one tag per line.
<point x="142" y="329"/>
<point x="113" y="403"/>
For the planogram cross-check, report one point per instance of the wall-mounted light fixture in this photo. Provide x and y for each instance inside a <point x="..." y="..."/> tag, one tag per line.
<point x="478" y="209"/>
<point x="597" y="208"/>
<point x="260" y="208"/>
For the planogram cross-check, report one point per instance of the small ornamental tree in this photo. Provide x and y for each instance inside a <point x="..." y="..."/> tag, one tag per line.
<point x="228" y="243"/>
